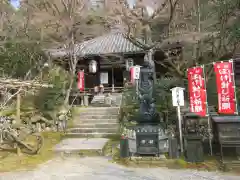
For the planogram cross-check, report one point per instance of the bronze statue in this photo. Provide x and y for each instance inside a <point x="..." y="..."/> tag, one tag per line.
<point x="148" y="113"/>
<point x="148" y="137"/>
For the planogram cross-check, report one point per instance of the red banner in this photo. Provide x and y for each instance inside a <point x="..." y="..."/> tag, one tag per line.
<point x="225" y="87"/>
<point x="81" y="80"/>
<point x="197" y="91"/>
<point x="132" y="72"/>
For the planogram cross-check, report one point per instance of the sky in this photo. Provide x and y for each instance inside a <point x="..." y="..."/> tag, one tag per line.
<point x="15" y="3"/>
<point x="132" y="3"/>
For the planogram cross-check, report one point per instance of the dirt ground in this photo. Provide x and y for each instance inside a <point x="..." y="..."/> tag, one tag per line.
<point x="92" y="168"/>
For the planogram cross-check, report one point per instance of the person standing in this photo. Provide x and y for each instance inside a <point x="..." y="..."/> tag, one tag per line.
<point x="101" y="89"/>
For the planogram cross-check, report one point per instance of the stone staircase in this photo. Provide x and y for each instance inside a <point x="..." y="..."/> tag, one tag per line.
<point x="98" y="100"/>
<point x="95" y="122"/>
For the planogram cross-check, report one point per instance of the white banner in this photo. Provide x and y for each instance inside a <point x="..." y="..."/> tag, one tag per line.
<point x="104" y="77"/>
<point x="136" y="72"/>
<point x="177" y="96"/>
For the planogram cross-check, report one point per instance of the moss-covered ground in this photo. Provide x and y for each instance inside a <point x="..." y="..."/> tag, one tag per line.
<point x="10" y="161"/>
<point x="211" y="163"/>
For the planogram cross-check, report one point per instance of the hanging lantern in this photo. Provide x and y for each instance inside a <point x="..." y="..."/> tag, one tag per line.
<point x="93" y="66"/>
<point x="129" y="64"/>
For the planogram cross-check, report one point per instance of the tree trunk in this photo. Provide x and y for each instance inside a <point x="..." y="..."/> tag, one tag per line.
<point x="73" y="64"/>
<point x="66" y="101"/>
<point x="18" y="108"/>
<point x="149" y="55"/>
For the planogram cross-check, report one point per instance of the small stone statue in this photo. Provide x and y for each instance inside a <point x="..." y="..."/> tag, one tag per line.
<point x="62" y="118"/>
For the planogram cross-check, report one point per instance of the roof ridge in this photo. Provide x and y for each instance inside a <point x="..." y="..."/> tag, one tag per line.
<point x="113" y="42"/>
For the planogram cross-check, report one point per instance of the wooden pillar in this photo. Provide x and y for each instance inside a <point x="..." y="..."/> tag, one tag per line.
<point x="98" y="80"/>
<point x="18" y="107"/>
<point x="113" y="79"/>
<point x="82" y="102"/>
<point x="18" y="120"/>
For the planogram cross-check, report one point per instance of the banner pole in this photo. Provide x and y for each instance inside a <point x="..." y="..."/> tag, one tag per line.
<point x="83" y="82"/>
<point x="82" y="96"/>
<point x="207" y="113"/>
<point x="234" y="85"/>
<point x="179" y="121"/>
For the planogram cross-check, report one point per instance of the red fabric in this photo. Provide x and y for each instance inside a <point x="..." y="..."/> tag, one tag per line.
<point x="225" y="87"/>
<point x="132" y="69"/>
<point x="81" y="80"/>
<point x="197" y="91"/>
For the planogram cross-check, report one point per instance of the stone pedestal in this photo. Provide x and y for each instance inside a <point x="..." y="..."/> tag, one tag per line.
<point x="173" y="148"/>
<point x="147" y="140"/>
<point x="108" y="100"/>
<point x="85" y="100"/>
<point x="38" y="127"/>
<point x="193" y="149"/>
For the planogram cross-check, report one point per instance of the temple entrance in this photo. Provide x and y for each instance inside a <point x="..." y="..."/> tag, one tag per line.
<point x="112" y="78"/>
<point x="118" y="77"/>
<point x="115" y="77"/>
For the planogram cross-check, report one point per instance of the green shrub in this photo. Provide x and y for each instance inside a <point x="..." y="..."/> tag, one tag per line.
<point x="18" y="58"/>
<point x="162" y="95"/>
<point x="49" y="99"/>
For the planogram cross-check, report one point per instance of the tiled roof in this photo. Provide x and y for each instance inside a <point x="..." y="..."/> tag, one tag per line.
<point x="113" y="43"/>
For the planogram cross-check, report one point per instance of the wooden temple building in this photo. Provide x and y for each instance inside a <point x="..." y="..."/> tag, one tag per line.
<point x="111" y="52"/>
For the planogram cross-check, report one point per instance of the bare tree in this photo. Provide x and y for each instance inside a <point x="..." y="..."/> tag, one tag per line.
<point x="137" y="18"/>
<point x="64" y="23"/>
<point x="199" y="26"/>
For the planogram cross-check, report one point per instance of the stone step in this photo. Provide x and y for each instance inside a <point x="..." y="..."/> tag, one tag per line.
<point x="72" y="145"/>
<point x="93" y="130"/>
<point x="98" y="100"/>
<point x="97" y="125"/>
<point x="100" y="110"/>
<point x="97" y="116"/>
<point x="107" y="101"/>
<point x="101" y="105"/>
<point x="97" y="108"/>
<point x="99" y="96"/>
<point x="111" y="102"/>
<point x="94" y="121"/>
<point x="88" y="135"/>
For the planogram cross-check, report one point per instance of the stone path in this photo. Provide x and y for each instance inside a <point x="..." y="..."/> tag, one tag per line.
<point x="99" y="168"/>
<point x="76" y="144"/>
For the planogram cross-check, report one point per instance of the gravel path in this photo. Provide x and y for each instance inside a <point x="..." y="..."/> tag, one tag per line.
<point x="98" y="168"/>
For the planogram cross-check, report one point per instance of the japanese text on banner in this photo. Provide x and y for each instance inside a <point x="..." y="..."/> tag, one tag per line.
<point x="197" y="91"/>
<point x="225" y="87"/>
<point x="81" y="80"/>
